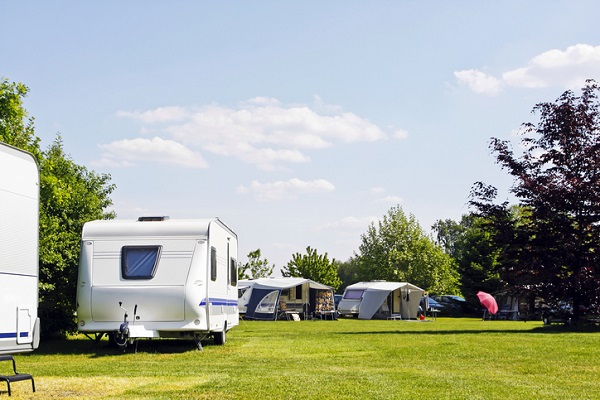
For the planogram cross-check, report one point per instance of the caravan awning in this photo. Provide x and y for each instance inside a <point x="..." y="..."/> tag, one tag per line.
<point x="376" y="293"/>
<point x="263" y="302"/>
<point x="282" y="283"/>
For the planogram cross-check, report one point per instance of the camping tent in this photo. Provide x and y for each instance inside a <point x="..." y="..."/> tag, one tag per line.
<point x="380" y="299"/>
<point x="272" y="298"/>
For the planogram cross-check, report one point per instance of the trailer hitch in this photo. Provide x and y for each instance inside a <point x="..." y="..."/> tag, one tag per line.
<point x="122" y="336"/>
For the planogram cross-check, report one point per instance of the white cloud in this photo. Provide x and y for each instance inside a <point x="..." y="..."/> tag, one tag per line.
<point x="569" y="69"/>
<point x="260" y="131"/>
<point x="400" y="134"/>
<point x="127" y="152"/>
<point x="478" y="81"/>
<point x="285" y="189"/>
<point x="161" y="114"/>
<point x="379" y="195"/>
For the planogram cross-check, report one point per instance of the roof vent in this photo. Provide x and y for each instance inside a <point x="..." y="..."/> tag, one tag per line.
<point x="163" y="218"/>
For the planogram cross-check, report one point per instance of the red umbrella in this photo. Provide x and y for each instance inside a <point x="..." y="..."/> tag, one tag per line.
<point x="488" y="301"/>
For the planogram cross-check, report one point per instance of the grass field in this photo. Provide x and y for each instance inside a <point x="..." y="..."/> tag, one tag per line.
<point x="346" y="359"/>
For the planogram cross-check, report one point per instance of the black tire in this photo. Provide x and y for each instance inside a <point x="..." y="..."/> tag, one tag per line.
<point x="112" y="340"/>
<point x="220" y="337"/>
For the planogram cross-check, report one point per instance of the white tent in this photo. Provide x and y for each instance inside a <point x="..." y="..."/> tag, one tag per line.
<point x="298" y="295"/>
<point x="381" y="299"/>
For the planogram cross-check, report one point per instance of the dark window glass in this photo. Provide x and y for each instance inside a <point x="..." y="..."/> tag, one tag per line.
<point x="139" y="262"/>
<point x="353" y="294"/>
<point x="213" y="264"/>
<point x="233" y="272"/>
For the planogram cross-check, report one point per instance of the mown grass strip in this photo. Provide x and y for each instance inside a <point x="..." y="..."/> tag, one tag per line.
<point x="345" y="359"/>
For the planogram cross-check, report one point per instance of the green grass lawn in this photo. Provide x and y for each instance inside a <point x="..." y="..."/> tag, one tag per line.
<point x="346" y="359"/>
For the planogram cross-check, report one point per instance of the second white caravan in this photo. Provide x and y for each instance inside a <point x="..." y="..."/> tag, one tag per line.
<point x="157" y="277"/>
<point x="19" y="213"/>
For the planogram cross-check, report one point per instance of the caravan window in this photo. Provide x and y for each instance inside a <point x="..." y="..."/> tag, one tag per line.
<point x="139" y="262"/>
<point x="353" y="294"/>
<point x="233" y="273"/>
<point x="213" y="264"/>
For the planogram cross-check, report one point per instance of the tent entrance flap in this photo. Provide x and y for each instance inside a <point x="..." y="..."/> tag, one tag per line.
<point x="263" y="304"/>
<point x="371" y="303"/>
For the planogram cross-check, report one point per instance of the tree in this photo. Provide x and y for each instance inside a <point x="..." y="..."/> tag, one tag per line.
<point x="397" y="249"/>
<point x="471" y="246"/>
<point x="315" y="267"/>
<point x="70" y="195"/>
<point x="448" y="233"/>
<point x="555" y="246"/>
<point x="256" y="267"/>
<point x="348" y="272"/>
<point x="16" y="127"/>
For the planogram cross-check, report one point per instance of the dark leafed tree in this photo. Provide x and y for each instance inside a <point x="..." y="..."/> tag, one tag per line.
<point x="314" y="266"/>
<point x="256" y="267"/>
<point x="555" y="244"/>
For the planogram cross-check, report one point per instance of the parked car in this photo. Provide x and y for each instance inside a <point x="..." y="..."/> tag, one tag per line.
<point x="337" y="298"/>
<point x="453" y="300"/>
<point x="562" y="313"/>
<point x="450" y="301"/>
<point x="434" y="306"/>
<point x="453" y="305"/>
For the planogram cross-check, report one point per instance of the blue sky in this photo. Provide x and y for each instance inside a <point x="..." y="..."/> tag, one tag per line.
<point x="296" y="123"/>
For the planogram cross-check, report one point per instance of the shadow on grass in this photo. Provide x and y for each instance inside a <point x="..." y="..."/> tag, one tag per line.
<point x="103" y="348"/>
<point x="551" y="329"/>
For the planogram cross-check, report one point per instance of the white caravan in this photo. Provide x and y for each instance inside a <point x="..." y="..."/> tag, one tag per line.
<point x="157" y="277"/>
<point x="19" y="213"/>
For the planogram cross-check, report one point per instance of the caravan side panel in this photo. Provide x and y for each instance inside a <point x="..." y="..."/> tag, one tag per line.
<point x="222" y="295"/>
<point x="19" y="208"/>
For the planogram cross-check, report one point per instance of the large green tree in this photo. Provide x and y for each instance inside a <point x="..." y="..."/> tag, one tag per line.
<point x="349" y="273"/>
<point x="256" y="267"/>
<point x="397" y="249"/>
<point x="70" y="195"/>
<point x="315" y="266"/>
<point x="471" y="246"/>
<point x="556" y="245"/>
<point x="16" y="126"/>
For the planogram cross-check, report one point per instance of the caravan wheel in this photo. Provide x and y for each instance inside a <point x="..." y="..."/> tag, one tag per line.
<point x="220" y="337"/>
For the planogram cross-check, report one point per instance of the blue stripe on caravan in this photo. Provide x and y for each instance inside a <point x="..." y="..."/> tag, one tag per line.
<point x="12" y="335"/>
<point x="219" y="302"/>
